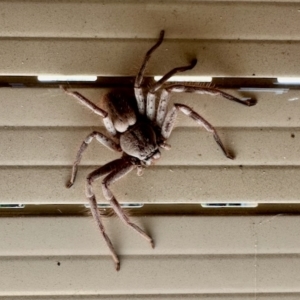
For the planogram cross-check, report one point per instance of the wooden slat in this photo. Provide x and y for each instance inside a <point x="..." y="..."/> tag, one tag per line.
<point x="180" y="235"/>
<point x="51" y="107"/>
<point x="195" y="170"/>
<point x="190" y="147"/>
<point x="207" y="258"/>
<point x="144" y="19"/>
<point x="240" y="255"/>
<point x="235" y="296"/>
<point x="46" y="185"/>
<point x="122" y="57"/>
<point x="209" y="274"/>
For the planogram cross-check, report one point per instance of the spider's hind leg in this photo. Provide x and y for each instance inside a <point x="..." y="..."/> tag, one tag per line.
<point x="94" y="207"/>
<point x="123" y="169"/>
<point x="115" y="170"/>
<point x="97" y="110"/>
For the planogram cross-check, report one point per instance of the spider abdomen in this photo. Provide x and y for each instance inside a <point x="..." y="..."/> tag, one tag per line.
<point x="122" y="109"/>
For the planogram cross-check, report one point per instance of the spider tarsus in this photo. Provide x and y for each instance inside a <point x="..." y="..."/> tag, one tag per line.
<point x="118" y="266"/>
<point x="230" y="156"/>
<point x="69" y="184"/>
<point x="161" y="35"/>
<point x="251" y="102"/>
<point x="193" y="63"/>
<point x="152" y="244"/>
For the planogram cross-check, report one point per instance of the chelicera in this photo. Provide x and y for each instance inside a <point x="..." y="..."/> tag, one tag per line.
<point x="139" y="131"/>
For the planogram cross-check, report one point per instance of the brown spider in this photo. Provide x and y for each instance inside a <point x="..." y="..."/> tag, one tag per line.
<point x="140" y="131"/>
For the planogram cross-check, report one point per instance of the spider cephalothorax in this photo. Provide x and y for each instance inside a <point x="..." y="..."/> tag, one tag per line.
<point x="139" y="128"/>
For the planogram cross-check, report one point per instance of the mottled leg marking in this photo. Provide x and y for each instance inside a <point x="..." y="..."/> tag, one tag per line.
<point x="169" y="122"/>
<point x="101" y="138"/>
<point x="140" y="76"/>
<point x="117" y="174"/>
<point x="162" y="107"/>
<point x="151" y="94"/>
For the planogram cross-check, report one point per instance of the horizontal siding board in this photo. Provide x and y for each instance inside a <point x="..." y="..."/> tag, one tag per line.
<point x="236" y="296"/>
<point x="41" y="107"/>
<point x="243" y="257"/>
<point x="200" y="179"/>
<point x="143" y="19"/>
<point x="190" y="147"/>
<point x="46" y="185"/>
<point x="262" y="270"/>
<point x="150" y="275"/>
<point x="109" y="57"/>
<point x="249" y="296"/>
<point x="181" y="235"/>
<point x="148" y="280"/>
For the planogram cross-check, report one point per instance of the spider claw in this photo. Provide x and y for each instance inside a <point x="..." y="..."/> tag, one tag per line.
<point x="118" y="266"/>
<point x="194" y="62"/>
<point x="161" y="35"/>
<point x="251" y="102"/>
<point x="152" y="244"/>
<point x="230" y="156"/>
<point x="69" y="184"/>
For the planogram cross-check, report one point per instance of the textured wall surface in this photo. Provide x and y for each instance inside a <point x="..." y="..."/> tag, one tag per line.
<point x="196" y="257"/>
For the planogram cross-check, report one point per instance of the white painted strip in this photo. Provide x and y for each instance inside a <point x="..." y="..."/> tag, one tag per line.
<point x="288" y="80"/>
<point x="277" y="91"/>
<point x="48" y="78"/>
<point x="186" y="78"/>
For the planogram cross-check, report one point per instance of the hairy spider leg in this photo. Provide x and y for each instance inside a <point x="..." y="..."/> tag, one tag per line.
<point x="194" y="88"/>
<point x="191" y="88"/>
<point x="97" y="218"/>
<point x="164" y="97"/>
<point x="115" y="170"/>
<point x="169" y="122"/>
<point x="94" y="207"/>
<point x="101" y="138"/>
<point x="123" y="169"/>
<point x="150" y="109"/>
<point x="97" y="110"/>
<point x="139" y="95"/>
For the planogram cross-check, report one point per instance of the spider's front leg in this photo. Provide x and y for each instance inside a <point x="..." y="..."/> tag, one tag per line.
<point x="170" y="119"/>
<point x="139" y="95"/>
<point x="203" y="90"/>
<point x="191" y="88"/>
<point x="151" y="96"/>
<point x="166" y="122"/>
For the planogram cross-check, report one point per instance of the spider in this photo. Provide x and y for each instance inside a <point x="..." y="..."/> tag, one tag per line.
<point x="138" y="132"/>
